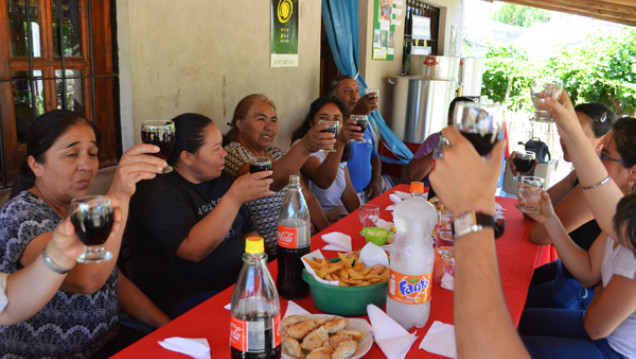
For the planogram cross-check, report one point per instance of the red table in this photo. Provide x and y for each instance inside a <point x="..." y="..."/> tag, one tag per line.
<point x="517" y="258"/>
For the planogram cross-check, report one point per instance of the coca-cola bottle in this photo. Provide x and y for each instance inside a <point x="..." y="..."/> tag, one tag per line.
<point x="293" y="241"/>
<point x="255" y="325"/>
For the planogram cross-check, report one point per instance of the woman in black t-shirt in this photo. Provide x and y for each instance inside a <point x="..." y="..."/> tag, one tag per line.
<point x="187" y="228"/>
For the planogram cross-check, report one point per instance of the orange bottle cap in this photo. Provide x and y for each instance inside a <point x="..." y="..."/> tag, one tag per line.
<point x="417" y="187"/>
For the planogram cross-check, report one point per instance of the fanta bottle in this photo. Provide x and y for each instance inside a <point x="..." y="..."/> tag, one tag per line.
<point x="255" y="322"/>
<point x="412" y="258"/>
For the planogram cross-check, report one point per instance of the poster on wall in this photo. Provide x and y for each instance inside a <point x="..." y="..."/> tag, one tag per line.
<point x="284" y="33"/>
<point x="386" y="16"/>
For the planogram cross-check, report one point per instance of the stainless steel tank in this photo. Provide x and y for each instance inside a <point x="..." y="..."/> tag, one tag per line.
<point x="470" y="74"/>
<point x="436" y="67"/>
<point x="420" y="106"/>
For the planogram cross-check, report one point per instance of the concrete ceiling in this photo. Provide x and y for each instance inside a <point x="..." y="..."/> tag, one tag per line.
<point x="620" y="11"/>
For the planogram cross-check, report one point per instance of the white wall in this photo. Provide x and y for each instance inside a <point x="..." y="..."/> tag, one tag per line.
<point x="204" y="56"/>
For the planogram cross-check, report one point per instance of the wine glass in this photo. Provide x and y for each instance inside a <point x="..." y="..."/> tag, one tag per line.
<point x="523" y="162"/>
<point x="540" y="88"/>
<point x="334" y="127"/>
<point x="162" y="134"/>
<point x="479" y="123"/>
<point x="93" y="218"/>
<point x="363" y="122"/>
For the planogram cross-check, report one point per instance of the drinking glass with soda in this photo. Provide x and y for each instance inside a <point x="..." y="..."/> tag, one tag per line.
<point x="160" y="133"/>
<point x="93" y="218"/>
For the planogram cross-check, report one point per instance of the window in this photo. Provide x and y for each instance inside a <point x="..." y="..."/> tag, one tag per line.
<point x="56" y="54"/>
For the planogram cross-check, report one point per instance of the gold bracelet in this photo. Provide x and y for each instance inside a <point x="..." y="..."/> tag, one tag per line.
<point x="597" y="184"/>
<point x="52" y="265"/>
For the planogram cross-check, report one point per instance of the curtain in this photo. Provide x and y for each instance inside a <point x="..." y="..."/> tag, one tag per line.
<point x="341" y="19"/>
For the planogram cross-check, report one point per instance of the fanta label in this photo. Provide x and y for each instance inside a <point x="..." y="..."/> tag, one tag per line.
<point x="287" y="237"/>
<point x="410" y="289"/>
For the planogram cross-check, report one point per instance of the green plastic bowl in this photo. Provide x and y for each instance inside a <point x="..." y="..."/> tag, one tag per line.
<point x="349" y="301"/>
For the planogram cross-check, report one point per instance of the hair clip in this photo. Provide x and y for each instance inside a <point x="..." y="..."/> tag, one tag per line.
<point x="603" y="118"/>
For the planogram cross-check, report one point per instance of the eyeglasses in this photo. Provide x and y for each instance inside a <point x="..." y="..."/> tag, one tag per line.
<point x="605" y="157"/>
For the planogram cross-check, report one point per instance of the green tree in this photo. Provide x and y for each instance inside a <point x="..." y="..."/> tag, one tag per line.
<point x="602" y="69"/>
<point x="519" y="15"/>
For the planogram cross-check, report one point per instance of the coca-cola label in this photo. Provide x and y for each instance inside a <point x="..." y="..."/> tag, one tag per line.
<point x="242" y="341"/>
<point x="238" y="334"/>
<point x="287" y="237"/>
<point x="277" y="331"/>
<point x="410" y="289"/>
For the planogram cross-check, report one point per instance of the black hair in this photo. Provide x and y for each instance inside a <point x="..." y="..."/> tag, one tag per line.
<point x="456" y="100"/>
<point x="333" y="85"/>
<point x="42" y="133"/>
<point x="313" y="110"/>
<point x="625" y="220"/>
<point x="624" y="131"/>
<point x="189" y="130"/>
<point x="602" y="117"/>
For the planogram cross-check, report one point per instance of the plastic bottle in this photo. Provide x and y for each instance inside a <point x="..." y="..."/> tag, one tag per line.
<point x="412" y="258"/>
<point x="293" y="242"/>
<point x="255" y="323"/>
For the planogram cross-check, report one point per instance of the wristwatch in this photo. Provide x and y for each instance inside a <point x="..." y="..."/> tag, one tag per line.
<point x="475" y="222"/>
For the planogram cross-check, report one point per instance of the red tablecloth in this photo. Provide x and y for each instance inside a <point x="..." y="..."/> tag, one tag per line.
<point x="517" y="259"/>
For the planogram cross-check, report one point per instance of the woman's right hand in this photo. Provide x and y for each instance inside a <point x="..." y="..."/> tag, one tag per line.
<point x="562" y="111"/>
<point x="546" y="210"/>
<point x="315" y="140"/>
<point x="251" y="186"/>
<point x="135" y="165"/>
<point x="350" y="131"/>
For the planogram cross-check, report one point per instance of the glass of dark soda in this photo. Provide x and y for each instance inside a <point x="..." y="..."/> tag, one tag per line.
<point x="522" y="162"/>
<point x="258" y="164"/>
<point x="363" y="122"/>
<point x="479" y="123"/>
<point x="93" y="218"/>
<point x="160" y="133"/>
<point x="334" y="126"/>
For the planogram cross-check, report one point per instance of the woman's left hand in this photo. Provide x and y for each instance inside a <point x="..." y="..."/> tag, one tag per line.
<point x="546" y="210"/>
<point x="350" y="131"/>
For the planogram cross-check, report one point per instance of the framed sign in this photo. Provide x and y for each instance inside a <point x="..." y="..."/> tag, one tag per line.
<point x="284" y="33"/>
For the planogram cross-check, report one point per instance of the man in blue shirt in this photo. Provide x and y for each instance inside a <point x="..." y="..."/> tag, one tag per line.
<point x="364" y="163"/>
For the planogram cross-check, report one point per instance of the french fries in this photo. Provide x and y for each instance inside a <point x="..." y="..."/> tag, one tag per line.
<point x="349" y="271"/>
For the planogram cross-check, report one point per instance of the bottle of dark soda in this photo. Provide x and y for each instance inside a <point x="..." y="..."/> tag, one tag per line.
<point x="293" y="241"/>
<point x="255" y="324"/>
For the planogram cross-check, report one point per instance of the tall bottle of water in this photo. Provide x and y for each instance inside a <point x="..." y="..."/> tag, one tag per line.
<point x="293" y="241"/>
<point x="412" y="258"/>
<point x="255" y="323"/>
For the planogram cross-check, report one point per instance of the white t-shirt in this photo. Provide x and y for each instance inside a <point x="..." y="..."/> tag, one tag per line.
<point x="3" y="291"/>
<point x="621" y="261"/>
<point x="330" y="198"/>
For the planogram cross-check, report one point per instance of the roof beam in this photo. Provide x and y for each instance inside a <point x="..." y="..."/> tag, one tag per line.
<point x="596" y="9"/>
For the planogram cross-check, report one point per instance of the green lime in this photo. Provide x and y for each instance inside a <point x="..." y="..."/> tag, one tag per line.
<point x="375" y="235"/>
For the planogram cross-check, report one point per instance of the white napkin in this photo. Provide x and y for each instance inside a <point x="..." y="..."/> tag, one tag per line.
<point x="394" y="340"/>
<point x="295" y="309"/>
<point x="371" y="255"/>
<point x="448" y="281"/>
<point x="380" y="223"/>
<point x="440" y="339"/>
<point x="195" y="347"/>
<point x="337" y="242"/>
<point x="402" y="195"/>
<point x="317" y="254"/>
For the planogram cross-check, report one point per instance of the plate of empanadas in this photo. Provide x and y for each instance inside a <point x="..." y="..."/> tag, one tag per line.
<point x="325" y="336"/>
